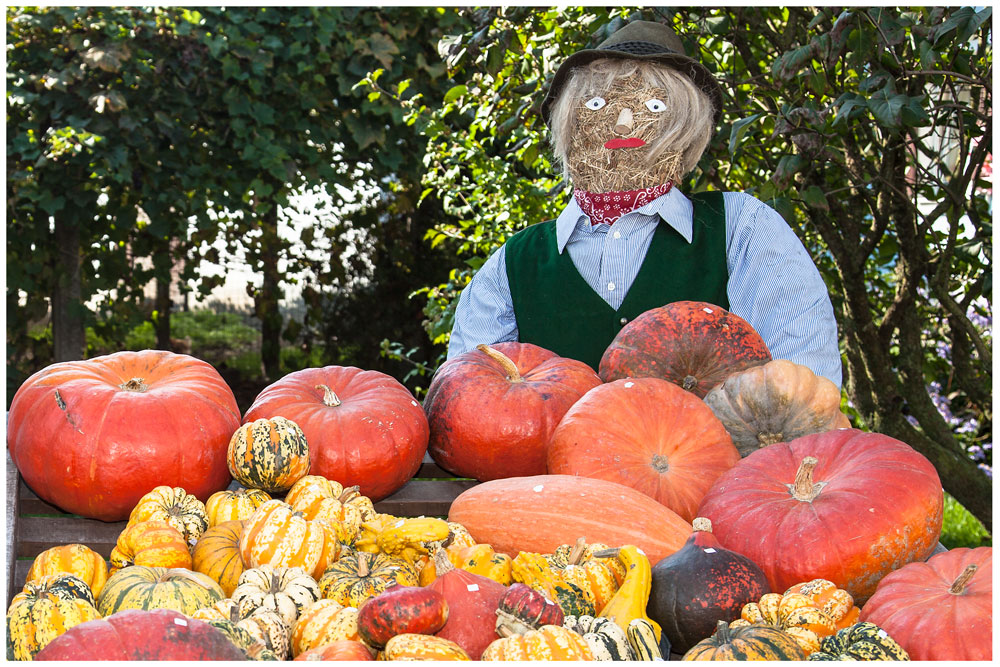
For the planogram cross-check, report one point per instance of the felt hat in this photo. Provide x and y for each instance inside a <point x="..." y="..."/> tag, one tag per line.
<point x="641" y="40"/>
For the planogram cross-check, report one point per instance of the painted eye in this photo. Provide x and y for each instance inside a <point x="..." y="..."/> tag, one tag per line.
<point x="656" y="106"/>
<point x="595" y="103"/>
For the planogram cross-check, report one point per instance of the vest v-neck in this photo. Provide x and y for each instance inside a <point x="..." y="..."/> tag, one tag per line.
<point x="557" y="309"/>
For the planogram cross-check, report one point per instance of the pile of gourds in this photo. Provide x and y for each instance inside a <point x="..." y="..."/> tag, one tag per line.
<point x="693" y="497"/>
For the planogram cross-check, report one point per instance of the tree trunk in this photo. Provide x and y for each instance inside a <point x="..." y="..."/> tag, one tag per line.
<point x="68" y="337"/>
<point x="161" y="321"/>
<point x="266" y="299"/>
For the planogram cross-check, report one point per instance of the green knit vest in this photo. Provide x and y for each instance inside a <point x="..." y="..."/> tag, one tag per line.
<point x="556" y="309"/>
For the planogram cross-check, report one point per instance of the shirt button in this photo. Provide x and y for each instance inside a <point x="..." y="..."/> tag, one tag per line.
<point x="617" y="235"/>
<point x="611" y="287"/>
<point x="624" y="321"/>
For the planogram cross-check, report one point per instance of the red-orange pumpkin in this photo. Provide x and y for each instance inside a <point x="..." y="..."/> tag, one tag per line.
<point x="869" y="505"/>
<point x="648" y="434"/>
<point x="92" y="437"/>
<point x="363" y="427"/>
<point x="941" y="609"/>
<point x="492" y="410"/>
<point x="542" y="512"/>
<point x="693" y="344"/>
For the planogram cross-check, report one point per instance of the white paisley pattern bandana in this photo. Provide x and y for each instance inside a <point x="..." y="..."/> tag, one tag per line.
<point x="607" y="207"/>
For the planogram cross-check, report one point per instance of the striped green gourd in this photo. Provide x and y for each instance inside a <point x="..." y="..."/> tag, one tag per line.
<point x="140" y="587"/>
<point x="268" y="454"/>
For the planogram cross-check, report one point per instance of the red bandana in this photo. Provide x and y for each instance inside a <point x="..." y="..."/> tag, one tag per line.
<point x="606" y="207"/>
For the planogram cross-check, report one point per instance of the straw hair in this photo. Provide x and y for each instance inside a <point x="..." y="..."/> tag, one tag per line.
<point x="675" y="138"/>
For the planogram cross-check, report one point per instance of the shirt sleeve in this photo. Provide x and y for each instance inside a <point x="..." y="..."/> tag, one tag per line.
<point x="485" y="311"/>
<point x="775" y="286"/>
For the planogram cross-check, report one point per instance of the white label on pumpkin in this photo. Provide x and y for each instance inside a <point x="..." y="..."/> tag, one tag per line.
<point x="640" y="551"/>
<point x="181" y="621"/>
<point x="707" y="310"/>
<point x="871" y="509"/>
<point x="399" y="523"/>
<point x="538" y="489"/>
<point x="709" y="550"/>
<point x="883" y="634"/>
<point x="629" y="385"/>
<point x="473" y="588"/>
<point x="414" y="404"/>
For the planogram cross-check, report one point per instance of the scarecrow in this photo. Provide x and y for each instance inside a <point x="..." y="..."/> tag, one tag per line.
<point x="628" y="120"/>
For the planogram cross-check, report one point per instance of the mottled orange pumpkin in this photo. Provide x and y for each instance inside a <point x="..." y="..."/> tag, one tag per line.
<point x="175" y="506"/>
<point x="695" y="345"/>
<point x="77" y="559"/>
<point x="549" y="642"/>
<point x="413" y="646"/>
<point x="344" y="508"/>
<point x="323" y="622"/>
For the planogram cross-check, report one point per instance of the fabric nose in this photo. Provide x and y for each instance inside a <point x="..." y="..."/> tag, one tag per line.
<point x="624" y="123"/>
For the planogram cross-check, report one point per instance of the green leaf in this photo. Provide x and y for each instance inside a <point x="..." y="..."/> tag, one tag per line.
<point x="738" y="129"/>
<point x="383" y="48"/>
<point x="815" y="197"/>
<point x="888" y="109"/>
<point x="455" y="93"/>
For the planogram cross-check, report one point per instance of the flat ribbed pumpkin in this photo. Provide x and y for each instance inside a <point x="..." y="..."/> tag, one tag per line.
<point x="279" y="536"/>
<point x="752" y="642"/>
<point x="844" y="505"/>
<point x="175" y="506"/>
<point x="217" y="554"/>
<point x="77" y="559"/>
<point x="358" y="576"/>
<point x="150" y="543"/>
<point x="92" y="437"/>
<point x="648" y="434"/>
<point x="492" y="410"/>
<point x="268" y="454"/>
<point x="695" y="345"/>
<point x="542" y="512"/>
<point x="364" y="428"/>
<point x="776" y="402"/>
<point x="285" y="590"/>
<point x="324" y="622"/>
<point x="941" y="609"/>
<point x="237" y="505"/>
<point x="139" y="587"/>
<point x="46" y="608"/>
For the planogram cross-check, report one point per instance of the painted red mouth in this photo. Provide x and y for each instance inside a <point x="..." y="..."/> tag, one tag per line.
<point x="631" y="142"/>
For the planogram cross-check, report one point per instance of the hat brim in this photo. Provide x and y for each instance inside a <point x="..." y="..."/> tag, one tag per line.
<point x="690" y="67"/>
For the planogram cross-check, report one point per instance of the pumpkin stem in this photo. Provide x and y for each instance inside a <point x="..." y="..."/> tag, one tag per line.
<point x="363" y="565"/>
<point x="606" y="553"/>
<point x="804" y="488"/>
<point x="135" y="384"/>
<point x="765" y="439"/>
<point x="509" y="367"/>
<point x="689" y="382"/>
<point x="234" y="613"/>
<point x="441" y="562"/>
<point x="179" y="573"/>
<point x="330" y="399"/>
<point x="660" y="463"/>
<point x="722" y="633"/>
<point x="275" y="579"/>
<point x="576" y="555"/>
<point x="349" y="494"/>
<point x="702" y="524"/>
<point x="962" y="582"/>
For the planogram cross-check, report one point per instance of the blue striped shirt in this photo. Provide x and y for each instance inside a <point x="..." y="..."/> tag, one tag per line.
<point x="773" y="283"/>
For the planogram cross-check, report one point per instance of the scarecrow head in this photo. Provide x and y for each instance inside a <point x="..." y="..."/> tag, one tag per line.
<point x="634" y="113"/>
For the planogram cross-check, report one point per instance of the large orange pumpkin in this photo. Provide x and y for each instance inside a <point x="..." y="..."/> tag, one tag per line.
<point x="542" y="512"/>
<point x="492" y="410"/>
<point x="844" y="505"/>
<point x="92" y="437"/>
<point x="691" y="343"/>
<point x="662" y="441"/>
<point x="363" y="427"/>
<point x="941" y="609"/>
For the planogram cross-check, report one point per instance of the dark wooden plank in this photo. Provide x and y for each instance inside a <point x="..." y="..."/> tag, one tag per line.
<point x="427" y="498"/>
<point x="18" y="574"/>
<point x="13" y="516"/>
<point x="36" y="534"/>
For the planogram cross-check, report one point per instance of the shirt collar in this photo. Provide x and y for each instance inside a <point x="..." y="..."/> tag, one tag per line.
<point x="673" y="208"/>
